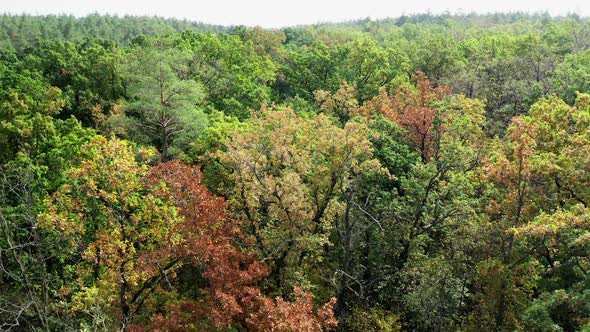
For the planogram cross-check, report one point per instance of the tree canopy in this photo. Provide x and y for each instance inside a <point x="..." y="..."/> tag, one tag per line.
<point x="422" y="173"/>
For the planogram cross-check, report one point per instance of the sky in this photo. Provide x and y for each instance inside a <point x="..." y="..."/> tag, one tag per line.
<point x="281" y="13"/>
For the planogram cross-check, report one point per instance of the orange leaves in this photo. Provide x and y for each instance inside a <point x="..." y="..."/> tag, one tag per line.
<point x="511" y="162"/>
<point x="326" y="315"/>
<point x="208" y="239"/>
<point x="284" y="316"/>
<point x="412" y="109"/>
<point x="522" y="135"/>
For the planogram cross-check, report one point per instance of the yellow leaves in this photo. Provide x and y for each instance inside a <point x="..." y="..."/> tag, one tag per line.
<point x="583" y="102"/>
<point x="84" y="299"/>
<point x="522" y="136"/>
<point x="115" y="222"/>
<point x="552" y="145"/>
<point x="54" y="101"/>
<point x="289" y="173"/>
<point x="565" y="234"/>
<point x="464" y="121"/>
<point x="288" y="195"/>
<point x="176" y="239"/>
<point x="62" y="215"/>
<point x="284" y="160"/>
<point x="550" y="225"/>
<point x="342" y="104"/>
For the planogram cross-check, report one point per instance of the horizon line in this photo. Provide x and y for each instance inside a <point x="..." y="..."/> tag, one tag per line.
<point x="456" y="13"/>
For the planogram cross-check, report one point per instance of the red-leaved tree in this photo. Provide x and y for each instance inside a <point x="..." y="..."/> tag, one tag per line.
<point x="413" y="110"/>
<point x="208" y="238"/>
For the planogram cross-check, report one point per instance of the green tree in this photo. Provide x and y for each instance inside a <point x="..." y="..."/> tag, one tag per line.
<point x="165" y="104"/>
<point x="572" y="75"/>
<point x="236" y="79"/>
<point x="87" y="72"/>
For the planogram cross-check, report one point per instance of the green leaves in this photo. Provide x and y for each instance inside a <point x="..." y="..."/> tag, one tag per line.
<point x="113" y="223"/>
<point x="453" y="202"/>
<point x="572" y="75"/>
<point x="236" y="78"/>
<point x="165" y="105"/>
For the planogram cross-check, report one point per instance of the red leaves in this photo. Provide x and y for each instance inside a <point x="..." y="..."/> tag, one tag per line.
<point x="291" y="316"/>
<point x="413" y="110"/>
<point x="206" y="237"/>
<point x="209" y="238"/>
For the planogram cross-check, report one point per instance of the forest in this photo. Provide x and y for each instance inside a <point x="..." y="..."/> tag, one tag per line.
<point x="420" y="173"/>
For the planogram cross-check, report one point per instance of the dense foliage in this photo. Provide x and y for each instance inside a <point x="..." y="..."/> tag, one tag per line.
<point x="427" y="173"/>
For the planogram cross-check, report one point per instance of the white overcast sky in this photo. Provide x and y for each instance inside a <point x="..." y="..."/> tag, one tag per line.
<point x="280" y="13"/>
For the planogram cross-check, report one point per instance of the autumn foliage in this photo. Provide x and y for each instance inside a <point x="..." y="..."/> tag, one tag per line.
<point x="206" y="237"/>
<point x="313" y="178"/>
<point x="209" y="239"/>
<point x="139" y="228"/>
<point x="414" y="110"/>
